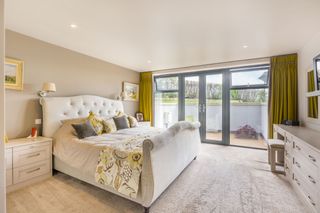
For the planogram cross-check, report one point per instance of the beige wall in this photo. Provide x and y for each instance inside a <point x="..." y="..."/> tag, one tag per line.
<point x="2" y="163"/>
<point x="306" y="55"/>
<point x="73" y="73"/>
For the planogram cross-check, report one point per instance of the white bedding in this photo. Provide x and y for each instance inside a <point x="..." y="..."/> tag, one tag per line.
<point x="84" y="153"/>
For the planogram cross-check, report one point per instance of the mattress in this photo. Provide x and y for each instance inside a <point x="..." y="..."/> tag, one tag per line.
<point x="83" y="154"/>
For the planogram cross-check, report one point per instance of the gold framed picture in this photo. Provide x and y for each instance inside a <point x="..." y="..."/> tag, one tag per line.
<point x="13" y="72"/>
<point x="131" y="91"/>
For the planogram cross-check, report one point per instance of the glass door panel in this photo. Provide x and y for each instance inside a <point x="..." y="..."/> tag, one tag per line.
<point x="213" y="108"/>
<point x="191" y="98"/>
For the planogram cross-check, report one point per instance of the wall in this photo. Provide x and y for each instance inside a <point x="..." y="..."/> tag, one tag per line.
<point x="306" y="55"/>
<point x="73" y="73"/>
<point x="2" y="163"/>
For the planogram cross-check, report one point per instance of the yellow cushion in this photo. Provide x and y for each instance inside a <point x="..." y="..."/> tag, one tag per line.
<point x="96" y="122"/>
<point x="133" y="121"/>
<point x="109" y="125"/>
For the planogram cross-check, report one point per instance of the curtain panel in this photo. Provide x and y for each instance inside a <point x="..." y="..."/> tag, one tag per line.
<point x="145" y="104"/>
<point x="283" y="94"/>
<point x="312" y="101"/>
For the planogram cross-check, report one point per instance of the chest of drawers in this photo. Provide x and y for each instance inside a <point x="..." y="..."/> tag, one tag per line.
<point x="302" y="163"/>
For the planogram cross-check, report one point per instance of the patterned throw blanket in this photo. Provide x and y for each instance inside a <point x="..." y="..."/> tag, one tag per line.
<point x="120" y="166"/>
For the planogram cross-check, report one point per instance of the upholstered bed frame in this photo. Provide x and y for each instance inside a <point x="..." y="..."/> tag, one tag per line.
<point x="165" y="156"/>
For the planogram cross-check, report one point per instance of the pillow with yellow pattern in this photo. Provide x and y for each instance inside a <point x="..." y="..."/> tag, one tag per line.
<point x="96" y="123"/>
<point x="109" y="125"/>
<point x="133" y="121"/>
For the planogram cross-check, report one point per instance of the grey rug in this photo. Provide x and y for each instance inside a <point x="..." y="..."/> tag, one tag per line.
<point x="222" y="179"/>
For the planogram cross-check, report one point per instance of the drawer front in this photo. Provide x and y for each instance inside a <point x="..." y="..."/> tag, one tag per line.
<point x="8" y="157"/>
<point x="30" y="154"/>
<point x="309" y="194"/>
<point x="306" y="169"/>
<point x="9" y="177"/>
<point x="31" y="171"/>
<point x="310" y="154"/>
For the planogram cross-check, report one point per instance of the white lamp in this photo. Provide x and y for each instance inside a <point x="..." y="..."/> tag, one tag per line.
<point x="47" y="88"/>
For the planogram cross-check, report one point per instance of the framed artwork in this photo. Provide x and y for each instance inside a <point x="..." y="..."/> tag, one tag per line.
<point x="131" y="91"/>
<point x="139" y="116"/>
<point x="13" y="72"/>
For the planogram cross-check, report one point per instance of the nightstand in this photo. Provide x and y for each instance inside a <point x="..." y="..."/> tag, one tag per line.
<point x="28" y="160"/>
<point x="145" y="123"/>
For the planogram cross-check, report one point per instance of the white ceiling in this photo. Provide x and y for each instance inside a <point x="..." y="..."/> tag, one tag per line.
<point x="170" y="33"/>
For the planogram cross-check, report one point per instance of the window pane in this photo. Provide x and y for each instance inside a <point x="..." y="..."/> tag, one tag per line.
<point x="166" y="109"/>
<point x="192" y="98"/>
<point x="169" y="83"/>
<point x="249" y="117"/>
<point x="247" y="78"/>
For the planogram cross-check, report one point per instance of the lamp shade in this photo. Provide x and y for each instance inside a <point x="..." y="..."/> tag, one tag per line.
<point x="49" y="87"/>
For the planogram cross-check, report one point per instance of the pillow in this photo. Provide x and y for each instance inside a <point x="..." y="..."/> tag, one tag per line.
<point x="96" y="123"/>
<point x="121" y="122"/>
<point x="84" y="130"/>
<point x="133" y="121"/>
<point x="109" y="125"/>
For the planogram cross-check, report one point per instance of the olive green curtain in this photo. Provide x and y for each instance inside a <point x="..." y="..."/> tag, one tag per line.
<point x="283" y="100"/>
<point x="145" y="105"/>
<point x="312" y="101"/>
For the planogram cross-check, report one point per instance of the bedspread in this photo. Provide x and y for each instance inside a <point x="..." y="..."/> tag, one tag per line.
<point x="120" y="166"/>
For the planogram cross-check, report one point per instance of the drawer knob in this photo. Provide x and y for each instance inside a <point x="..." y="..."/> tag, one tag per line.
<point x="311" y="179"/>
<point x="312" y="158"/>
<point x="298" y="164"/>
<point x="311" y="201"/>
<point x="298" y="147"/>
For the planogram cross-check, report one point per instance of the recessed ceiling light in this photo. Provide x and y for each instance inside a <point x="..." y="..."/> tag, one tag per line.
<point x="149" y="61"/>
<point x="73" y="26"/>
<point x="245" y="46"/>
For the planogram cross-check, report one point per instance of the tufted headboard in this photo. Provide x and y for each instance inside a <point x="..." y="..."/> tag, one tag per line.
<point x="56" y="109"/>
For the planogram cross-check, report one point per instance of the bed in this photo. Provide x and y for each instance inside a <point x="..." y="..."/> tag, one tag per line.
<point x="166" y="153"/>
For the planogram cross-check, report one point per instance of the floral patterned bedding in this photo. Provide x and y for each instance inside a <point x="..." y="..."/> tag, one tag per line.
<point x="120" y="165"/>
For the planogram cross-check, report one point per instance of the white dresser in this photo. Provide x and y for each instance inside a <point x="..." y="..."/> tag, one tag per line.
<point x="27" y="161"/>
<point x="302" y="162"/>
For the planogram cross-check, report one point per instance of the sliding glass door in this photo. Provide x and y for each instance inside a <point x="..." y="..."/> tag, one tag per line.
<point x="230" y="104"/>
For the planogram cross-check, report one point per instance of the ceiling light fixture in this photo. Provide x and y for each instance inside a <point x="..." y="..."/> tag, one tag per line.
<point x="245" y="46"/>
<point x="73" y="26"/>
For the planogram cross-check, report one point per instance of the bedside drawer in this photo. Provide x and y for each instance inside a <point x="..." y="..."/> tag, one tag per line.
<point x="305" y="150"/>
<point x="9" y="177"/>
<point x="8" y="157"/>
<point x="24" y="155"/>
<point x="31" y="171"/>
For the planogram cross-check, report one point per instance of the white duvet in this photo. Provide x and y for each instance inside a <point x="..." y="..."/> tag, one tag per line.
<point x="84" y="153"/>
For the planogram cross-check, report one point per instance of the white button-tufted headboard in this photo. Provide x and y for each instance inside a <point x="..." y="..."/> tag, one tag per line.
<point x="56" y="109"/>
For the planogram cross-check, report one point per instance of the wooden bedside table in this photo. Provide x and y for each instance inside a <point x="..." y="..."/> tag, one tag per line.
<point x="145" y="123"/>
<point x="28" y="160"/>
